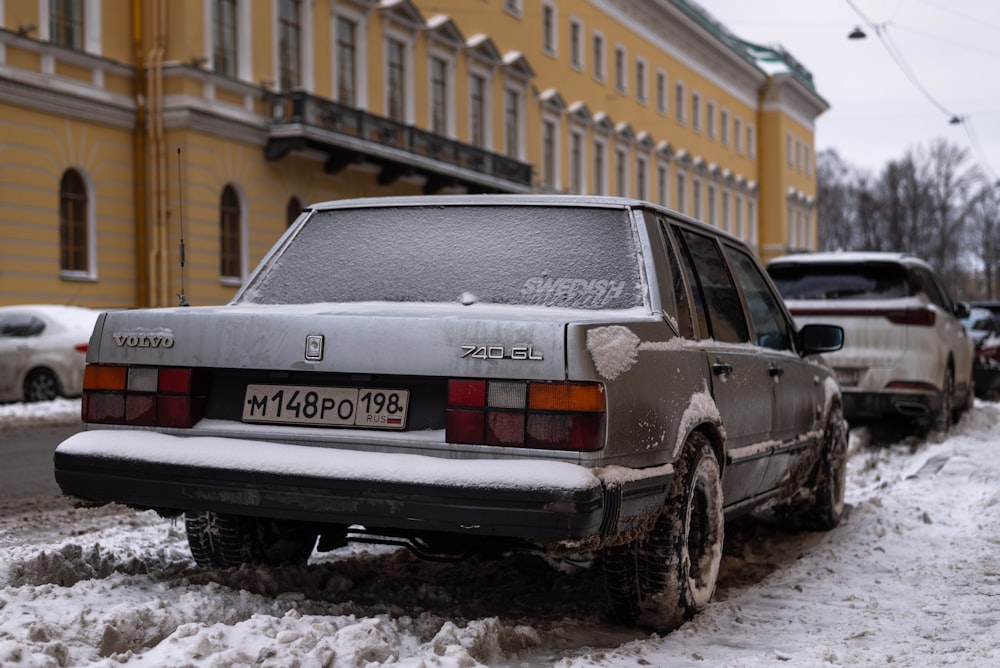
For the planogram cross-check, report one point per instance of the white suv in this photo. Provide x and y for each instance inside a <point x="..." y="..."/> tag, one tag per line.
<point x="906" y="353"/>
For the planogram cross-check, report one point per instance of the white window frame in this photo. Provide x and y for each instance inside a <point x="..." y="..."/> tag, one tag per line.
<point x="751" y="141"/>
<point x="360" y="52"/>
<point x="519" y="89"/>
<point x="555" y="122"/>
<point x="696" y="111"/>
<point x="578" y="51"/>
<point x="514" y="7"/>
<point x="641" y="80"/>
<point x="597" y="38"/>
<point x="697" y="202"/>
<point x="680" y="101"/>
<point x="663" y="182"/>
<point x="487" y="76"/>
<point x="724" y="126"/>
<point x="662" y="92"/>
<point x="550" y="41"/>
<point x="621" y="171"/>
<point x="620" y="59"/>
<point x="578" y="168"/>
<point x="738" y="134"/>
<point x="448" y="57"/>
<point x="680" y="185"/>
<point x="710" y="119"/>
<point x="641" y="176"/>
<point x="600" y="176"/>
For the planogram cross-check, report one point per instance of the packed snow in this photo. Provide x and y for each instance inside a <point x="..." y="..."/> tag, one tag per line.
<point x="910" y="578"/>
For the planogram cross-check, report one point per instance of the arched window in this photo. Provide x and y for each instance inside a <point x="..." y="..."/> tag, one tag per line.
<point x="74" y="242"/>
<point x="292" y="211"/>
<point x="230" y="241"/>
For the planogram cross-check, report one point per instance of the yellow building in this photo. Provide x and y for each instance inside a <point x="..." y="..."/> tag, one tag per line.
<point x="137" y="136"/>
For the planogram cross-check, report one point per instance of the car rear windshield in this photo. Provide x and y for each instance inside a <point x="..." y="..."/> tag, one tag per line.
<point x="573" y="257"/>
<point x="840" y="281"/>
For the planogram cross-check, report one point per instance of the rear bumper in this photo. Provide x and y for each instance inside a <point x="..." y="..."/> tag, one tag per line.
<point x="860" y="406"/>
<point x="543" y="501"/>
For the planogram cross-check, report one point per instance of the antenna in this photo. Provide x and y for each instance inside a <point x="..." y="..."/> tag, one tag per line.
<point x="180" y="207"/>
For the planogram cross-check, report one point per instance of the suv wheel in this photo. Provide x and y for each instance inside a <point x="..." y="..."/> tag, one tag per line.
<point x="227" y="541"/>
<point x="942" y="418"/>
<point x="666" y="576"/>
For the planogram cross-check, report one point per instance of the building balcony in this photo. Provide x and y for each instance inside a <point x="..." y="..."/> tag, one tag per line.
<point x="349" y="136"/>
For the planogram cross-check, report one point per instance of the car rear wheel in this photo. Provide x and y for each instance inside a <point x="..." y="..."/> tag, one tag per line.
<point x="41" y="385"/>
<point x="668" y="575"/>
<point x="941" y="419"/>
<point x="225" y="541"/>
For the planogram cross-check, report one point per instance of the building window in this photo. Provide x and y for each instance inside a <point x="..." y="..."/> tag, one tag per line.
<point x="289" y="50"/>
<point x="662" y="181"/>
<point x="620" y="82"/>
<point x="712" y="213"/>
<point x="798" y="155"/>
<point x="74" y="228"/>
<point x="696" y="198"/>
<point x="230" y="240"/>
<point x="738" y="134"/>
<point x="66" y="23"/>
<point x="292" y="210"/>
<point x="549" y="29"/>
<point x="640" y="79"/>
<point x="576" y="43"/>
<point x="790" y="151"/>
<point x="679" y="105"/>
<point x="661" y="92"/>
<point x="751" y="146"/>
<point x="710" y="119"/>
<point x="738" y="216"/>
<point x="725" y="210"/>
<point x="439" y="96"/>
<point x="477" y="110"/>
<point x="640" y="178"/>
<point x="513" y="7"/>
<point x="808" y="161"/>
<point x="621" y="172"/>
<point x="396" y="80"/>
<point x="576" y="162"/>
<point x="599" y="167"/>
<point x="598" y="56"/>
<point x="347" y="72"/>
<point x="681" y="192"/>
<point x="724" y="127"/>
<point x="549" y="155"/>
<point x="751" y="223"/>
<point x="512" y="123"/>
<point x="696" y="111"/>
<point x="224" y="30"/>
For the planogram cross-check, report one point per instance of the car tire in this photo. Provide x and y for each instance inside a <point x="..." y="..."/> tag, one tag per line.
<point x="665" y="577"/>
<point x="218" y="540"/>
<point x="41" y="385"/>
<point x="941" y="420"/>
<point x="822" y="506"/>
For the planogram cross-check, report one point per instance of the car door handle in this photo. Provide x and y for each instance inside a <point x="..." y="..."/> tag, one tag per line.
<point x="720" y="368"/>
<point x="776" y="371"/>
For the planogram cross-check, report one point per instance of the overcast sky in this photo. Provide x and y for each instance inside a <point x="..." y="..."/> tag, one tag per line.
<point x="950" y="48"/>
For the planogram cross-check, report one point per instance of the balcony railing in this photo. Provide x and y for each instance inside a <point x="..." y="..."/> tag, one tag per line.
<point x="389" y="142"/>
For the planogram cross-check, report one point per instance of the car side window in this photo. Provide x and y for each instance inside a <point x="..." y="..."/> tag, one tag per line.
<point x="709" y="275"/>
<point x="929" y="284"/>
<point x="21" y="326"/>
<point x="685" y="324"/>
<point x="770" y="326"/>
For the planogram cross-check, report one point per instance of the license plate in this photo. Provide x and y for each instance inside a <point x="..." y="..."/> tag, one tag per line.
<point x="372" y="408"/>
<point x="846" y="376"/>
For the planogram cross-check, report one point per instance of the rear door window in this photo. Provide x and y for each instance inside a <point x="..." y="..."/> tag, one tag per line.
<point x="771" y="327"/>
<point x="720" y="300"/>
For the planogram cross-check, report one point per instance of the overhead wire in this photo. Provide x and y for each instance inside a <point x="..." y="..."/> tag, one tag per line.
<point x="881" y="31"/>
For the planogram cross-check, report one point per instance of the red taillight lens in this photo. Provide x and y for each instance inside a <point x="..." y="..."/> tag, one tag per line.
<point x="912" y="316"/>
<point x="80" y="347"/>
<point x="561" y="416"/>
<point x="144" y="396"/>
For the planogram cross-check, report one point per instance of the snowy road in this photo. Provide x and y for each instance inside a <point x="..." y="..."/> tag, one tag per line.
<point x="911" y="578"/>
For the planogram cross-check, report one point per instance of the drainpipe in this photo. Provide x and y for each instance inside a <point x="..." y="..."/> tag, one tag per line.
<point x="139" y="157"/>
<point x="159" y="276"/>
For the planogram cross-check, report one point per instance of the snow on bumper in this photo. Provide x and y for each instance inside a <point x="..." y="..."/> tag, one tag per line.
<point x="537" y="500"/>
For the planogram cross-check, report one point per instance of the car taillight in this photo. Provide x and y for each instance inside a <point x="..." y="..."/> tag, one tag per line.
<point x="80" y="347"/>
<point x="144" y="395"/>
<point x="912" y="316"/>
<point x="900" y="316"/>
<point x="559" y="416"/>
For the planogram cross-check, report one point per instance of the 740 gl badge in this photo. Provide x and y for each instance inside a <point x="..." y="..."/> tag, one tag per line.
<point x="525" y="353"/>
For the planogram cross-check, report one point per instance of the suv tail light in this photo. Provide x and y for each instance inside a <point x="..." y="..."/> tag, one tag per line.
<point x="900" y="316"/>
<point x="144" y="396"/>
<point x="560" y="416"/>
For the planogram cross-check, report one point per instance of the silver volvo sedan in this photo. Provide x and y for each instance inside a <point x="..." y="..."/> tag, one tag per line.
<point x="591" y="378"/>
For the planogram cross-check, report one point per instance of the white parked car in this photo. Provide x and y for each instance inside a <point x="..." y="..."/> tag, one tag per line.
<point x="906" y="353"/>
<point x="43" y="351"/>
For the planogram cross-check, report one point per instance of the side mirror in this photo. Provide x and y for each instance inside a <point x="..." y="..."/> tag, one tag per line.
<point x="962" y="310"/>
<point x="815" y="339"/>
